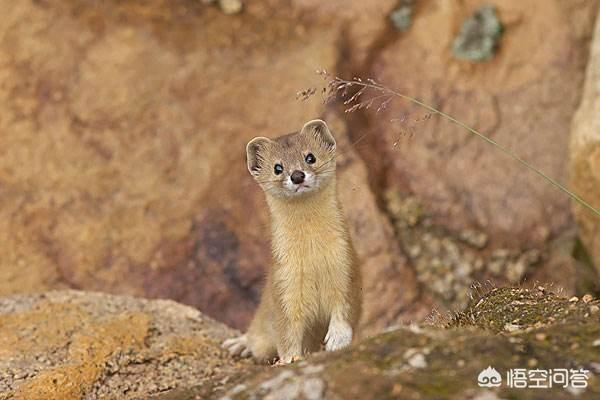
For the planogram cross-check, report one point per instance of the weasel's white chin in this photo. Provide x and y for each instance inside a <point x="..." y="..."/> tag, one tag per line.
<point x="301" y="190"/>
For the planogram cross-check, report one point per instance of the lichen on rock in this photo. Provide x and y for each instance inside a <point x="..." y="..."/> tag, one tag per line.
<point x="448" y="264"/>
<point x="479" y="35"/>
<point x="401" y="17"/>
<point x="77" y="345"/>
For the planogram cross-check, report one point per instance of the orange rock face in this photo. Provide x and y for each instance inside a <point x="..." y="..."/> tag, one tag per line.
<point x="123" y="134"/>
<point x="123" y="126"/>
<point x="521" y="98"/>
<point x="585" y="154"/>
<point x="71" y="345"/>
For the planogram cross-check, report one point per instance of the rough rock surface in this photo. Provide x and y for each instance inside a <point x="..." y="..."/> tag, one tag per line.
<point x="123" y="133"/>
<point x="415" y="362"/>
<point x="585" y="153"/>
<point x="464" y="182"/>
<point x="80" y="345"/>
<point x="123" y="126"/>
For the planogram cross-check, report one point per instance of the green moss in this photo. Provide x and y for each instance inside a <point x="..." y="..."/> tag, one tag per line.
<point x="517" y="308"/>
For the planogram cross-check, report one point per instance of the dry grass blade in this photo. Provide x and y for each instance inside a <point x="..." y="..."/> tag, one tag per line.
<point x="340" y="88"/>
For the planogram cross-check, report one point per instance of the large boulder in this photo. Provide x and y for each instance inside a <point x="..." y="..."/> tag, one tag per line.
<point x="123" y="128"/>
<point x="476" y="214"/>
<point x="585" y="153"/>
<point x="505" y="329"/>
<point x="464" y="182"/>
<point x="80" y="345"/>
<point x="76" y="345"/>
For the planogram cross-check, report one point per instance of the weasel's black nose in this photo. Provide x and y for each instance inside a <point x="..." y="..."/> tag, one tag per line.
<point x="297" y="177"/>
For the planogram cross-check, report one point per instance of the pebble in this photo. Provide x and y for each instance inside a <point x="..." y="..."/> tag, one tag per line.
<point x="230" y="6"/>
<point x="415" y="359"/>
<point x="474" y="238"/>
<point x="540" y="336"/>
<point x="511" y="327"/>
<point x="532" y="363"/>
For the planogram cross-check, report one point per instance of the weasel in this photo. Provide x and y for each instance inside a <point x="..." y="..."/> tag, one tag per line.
<point x="312" y="294"/>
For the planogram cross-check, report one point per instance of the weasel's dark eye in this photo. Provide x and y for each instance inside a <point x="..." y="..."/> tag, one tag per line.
<point x="278" y="169"/>
<point x="310" y="158"/>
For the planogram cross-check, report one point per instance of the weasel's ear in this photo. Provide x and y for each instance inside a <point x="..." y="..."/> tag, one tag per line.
<point x="319" y="129"/>
<point x="253" y="153"/>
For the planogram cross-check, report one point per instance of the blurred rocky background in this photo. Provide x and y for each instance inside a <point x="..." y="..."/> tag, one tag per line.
<point x="123" y="126"/>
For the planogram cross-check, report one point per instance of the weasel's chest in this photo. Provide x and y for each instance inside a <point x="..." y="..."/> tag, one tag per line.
<point x="312" y="257"/>
<point x="309" y="272"/>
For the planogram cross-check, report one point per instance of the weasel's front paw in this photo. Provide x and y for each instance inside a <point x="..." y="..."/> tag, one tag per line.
<point x="238" y="346"/>
<point x="338" y="336"/>
<point x="288" y="360"/>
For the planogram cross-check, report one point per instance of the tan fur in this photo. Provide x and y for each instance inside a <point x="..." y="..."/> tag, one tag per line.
<point x="313" y="289"/>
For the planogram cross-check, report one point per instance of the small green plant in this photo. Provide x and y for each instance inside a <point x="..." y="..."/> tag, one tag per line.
<point x="359" y="94"/>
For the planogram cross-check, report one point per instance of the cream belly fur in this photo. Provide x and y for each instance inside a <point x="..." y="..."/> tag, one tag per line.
<point x="312" y="294"/>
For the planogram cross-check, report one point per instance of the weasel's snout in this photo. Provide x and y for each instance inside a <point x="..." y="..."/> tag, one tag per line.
<point x="297" y="177"/>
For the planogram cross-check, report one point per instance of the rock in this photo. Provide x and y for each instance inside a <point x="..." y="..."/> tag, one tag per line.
<point x="474" y="238"/>
<point x="585" y="154"/>
<point x="363" y="25"/>
<point x="479" y="35"/>
<point x="370" y="369"/>
<point x="75" y="345"/>
<point x="511" y="327"/>
<point x="125" y="126"/>
<point x="463" y="182"/>
<point x="559" y="266"/>
<point x="447" y="268"/>
<point x="227" y="6"/>
<point x="231" y="6"/>
<point x="515" y="270"/>
<point x="415" y="360"/>
<point x="72" y="345"/>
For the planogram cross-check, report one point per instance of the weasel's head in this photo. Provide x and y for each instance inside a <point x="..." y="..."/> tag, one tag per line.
<point x="294" y="165"/>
